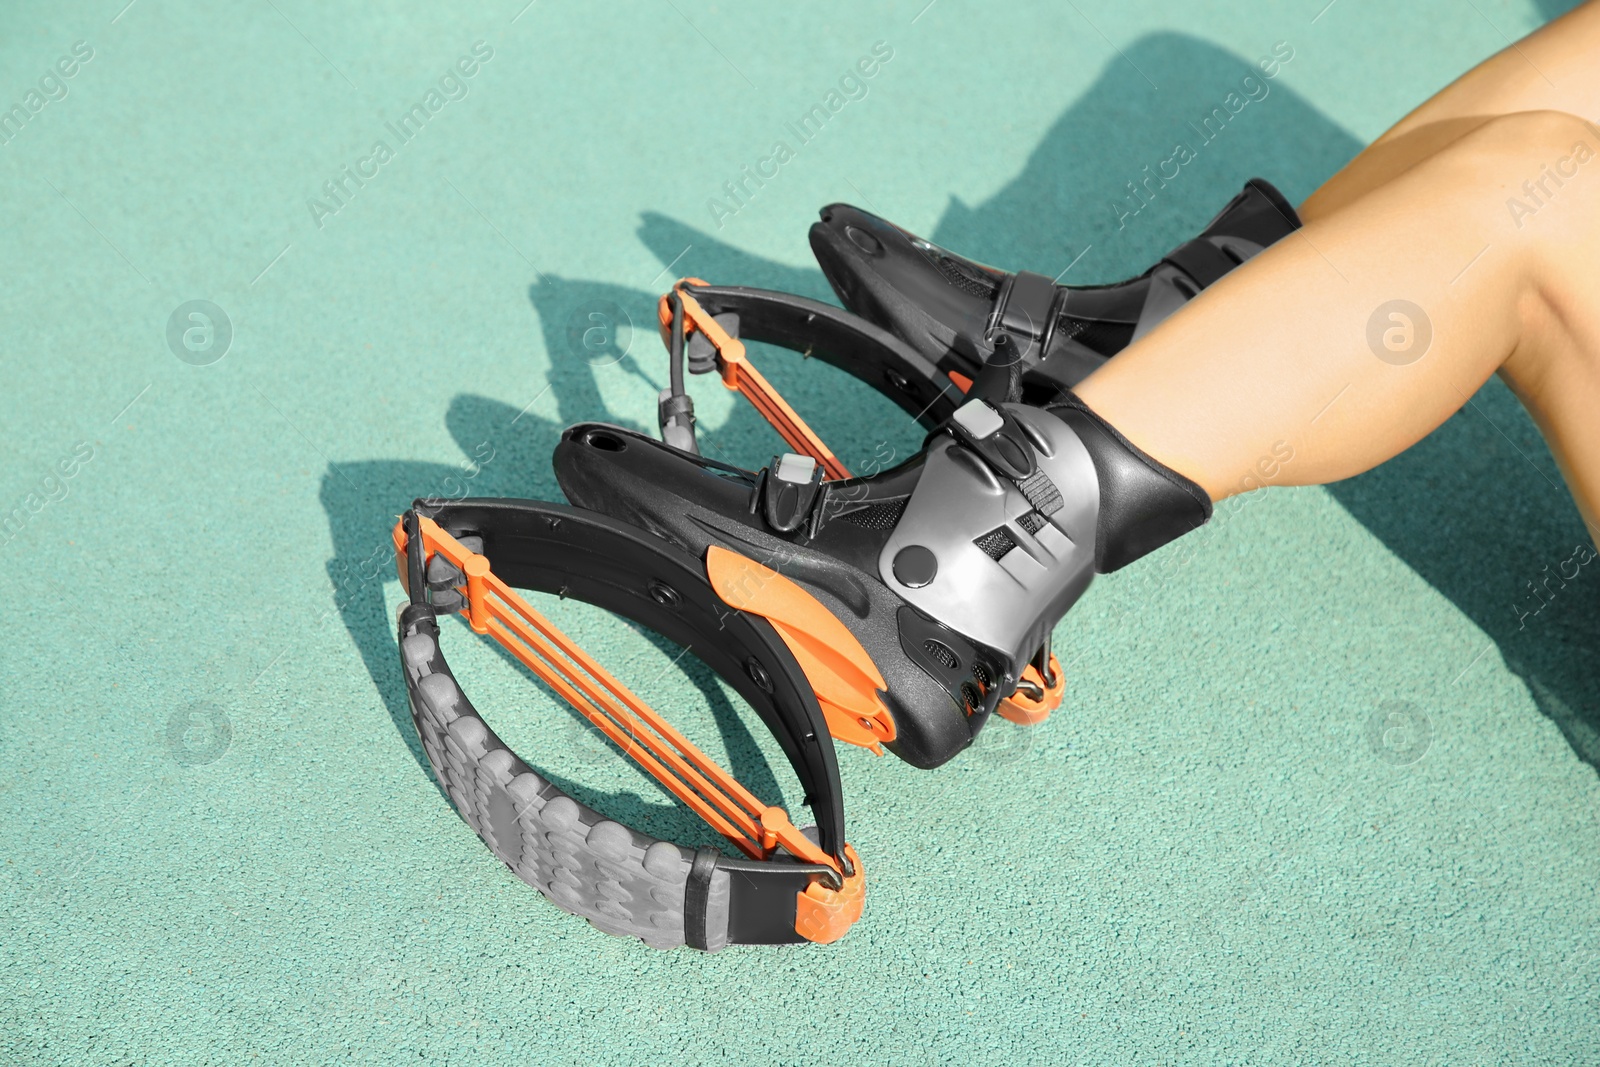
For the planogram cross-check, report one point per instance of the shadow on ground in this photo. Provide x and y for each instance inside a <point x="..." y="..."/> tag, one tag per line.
<point x="1476" y="509"/>
<point x="1551" y="9"/>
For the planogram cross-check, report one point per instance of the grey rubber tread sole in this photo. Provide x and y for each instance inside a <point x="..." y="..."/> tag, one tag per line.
<point x="623" y="882"/>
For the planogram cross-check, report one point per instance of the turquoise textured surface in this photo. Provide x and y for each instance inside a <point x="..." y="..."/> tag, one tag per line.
<point x="220" y="842"/>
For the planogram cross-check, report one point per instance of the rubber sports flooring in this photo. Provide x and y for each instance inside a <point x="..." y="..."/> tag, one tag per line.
<point x="1324" y="786"/>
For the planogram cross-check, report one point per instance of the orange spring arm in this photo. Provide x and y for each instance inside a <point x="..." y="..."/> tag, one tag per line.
<point x="496" y="609"/>
<point x="740" y="374"/>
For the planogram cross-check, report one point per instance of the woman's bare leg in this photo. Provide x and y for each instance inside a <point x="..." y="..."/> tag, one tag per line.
<point x="1556" y="68"/>
<point x="1305" y="346"/>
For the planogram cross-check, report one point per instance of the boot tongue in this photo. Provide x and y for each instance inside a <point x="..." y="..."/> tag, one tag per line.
<point x="1000" y="380"/>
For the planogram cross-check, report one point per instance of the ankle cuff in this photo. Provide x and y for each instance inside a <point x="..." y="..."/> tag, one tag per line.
<point x="1143" y="502"/>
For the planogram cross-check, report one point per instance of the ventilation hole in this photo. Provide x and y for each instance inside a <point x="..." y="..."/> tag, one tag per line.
<point x="1106" y="338"/>
<point x="965" y="279"/>
<point x="1232" y="254"/>
<point x="981" y="673"/>
<point x="880" y="516"/>
<point x="943" y="653"/>
<point x="1033" y="522"/>
<point x="604" y="441"/>
<point x="1183" y="286"/>
<point x="971" y="697"/>
<point x="996" y="543"/>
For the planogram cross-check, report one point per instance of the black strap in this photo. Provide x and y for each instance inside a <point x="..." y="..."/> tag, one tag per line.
<point x="697" y="897"/>
<point x="1026" y="304"/>
<point x="1022" y="325"/>
<point x="1200" y="260"/>
<point x="1041" y="492"/>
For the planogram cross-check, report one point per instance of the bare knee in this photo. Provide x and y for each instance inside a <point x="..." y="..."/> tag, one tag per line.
<point x="1541" y="172"/>
<point x="1529" y="179"/>
<point x="1530" y="133"/>
<point x="1533" y="155"/>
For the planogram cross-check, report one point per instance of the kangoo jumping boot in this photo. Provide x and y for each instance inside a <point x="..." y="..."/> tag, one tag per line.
<point x="962" y="315"/>
<point x="921" y="598"/>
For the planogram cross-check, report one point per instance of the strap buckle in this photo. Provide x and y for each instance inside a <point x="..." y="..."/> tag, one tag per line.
<point x="1026" y="310"/>
<point x="996" y="436"/>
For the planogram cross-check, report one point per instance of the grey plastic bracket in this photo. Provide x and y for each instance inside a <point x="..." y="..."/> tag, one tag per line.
<point x="1010" y="603"/>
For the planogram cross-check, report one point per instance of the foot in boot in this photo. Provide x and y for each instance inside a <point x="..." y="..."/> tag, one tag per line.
<point x="950" y="570"/>
<point x="951" y="309"/>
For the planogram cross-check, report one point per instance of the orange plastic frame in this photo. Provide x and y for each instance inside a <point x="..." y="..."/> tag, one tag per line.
<point x="1025" y="710"/>
<point x="740" y="374"/>
<point x="842" y="674"/>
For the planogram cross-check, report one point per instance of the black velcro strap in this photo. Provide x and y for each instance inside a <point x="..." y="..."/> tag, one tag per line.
<point x="1200" y="260"/>
<point x="697" y="897"/>
<point x="999" y="381"/>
